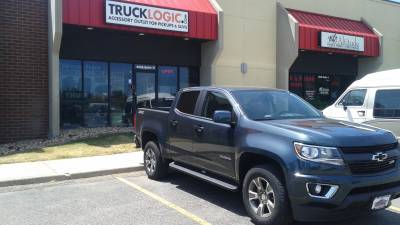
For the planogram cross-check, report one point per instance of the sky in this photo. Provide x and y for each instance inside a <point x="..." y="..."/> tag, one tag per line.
<point x="398" y="1"/>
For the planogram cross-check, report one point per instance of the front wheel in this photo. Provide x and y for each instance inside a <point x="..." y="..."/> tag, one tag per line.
<point x="264" y="196"/>
<point x="155" y="166"/>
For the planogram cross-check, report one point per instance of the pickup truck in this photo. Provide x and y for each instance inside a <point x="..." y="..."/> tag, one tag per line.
<point x="288" y="161"/>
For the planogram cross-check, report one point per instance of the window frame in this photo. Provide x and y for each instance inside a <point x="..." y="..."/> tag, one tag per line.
<point x="338" y="104"/>
<point x="200" y="113"/>
<point x="196" y="103"/>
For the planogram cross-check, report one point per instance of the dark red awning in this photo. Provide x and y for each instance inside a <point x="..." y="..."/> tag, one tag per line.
<point x="202" y="21"/>
<point x="311" y="24"/>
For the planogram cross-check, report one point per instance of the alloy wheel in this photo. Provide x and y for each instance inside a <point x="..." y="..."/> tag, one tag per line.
<point x="261" y="197"/>
<point x="150" y="160"/>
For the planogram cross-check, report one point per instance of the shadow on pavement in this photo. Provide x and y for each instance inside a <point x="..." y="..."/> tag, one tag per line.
<point x="232" y="201"/>
<point x="228" y="200"/>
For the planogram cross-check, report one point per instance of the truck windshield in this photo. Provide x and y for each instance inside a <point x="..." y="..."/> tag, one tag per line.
<point x="274" y="105"/>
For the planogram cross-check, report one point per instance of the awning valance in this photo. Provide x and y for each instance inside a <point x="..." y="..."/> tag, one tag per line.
<point x="190" y="19"/>
<point x="324" y="33"/>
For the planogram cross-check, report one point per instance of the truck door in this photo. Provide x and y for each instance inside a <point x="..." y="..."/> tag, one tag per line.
<point x="180" y="144"/>
<point x="213" y="143"/>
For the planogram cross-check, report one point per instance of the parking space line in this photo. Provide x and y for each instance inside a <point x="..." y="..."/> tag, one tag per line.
<point x="165" y="202"/>
<point x="394" y="208"/>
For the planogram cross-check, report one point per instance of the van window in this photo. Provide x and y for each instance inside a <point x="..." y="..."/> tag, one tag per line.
<point x="354" y="98"/>
<point x="387" y="104"/>
<point x="187" y="101"/>
<point x="215" y="101"/>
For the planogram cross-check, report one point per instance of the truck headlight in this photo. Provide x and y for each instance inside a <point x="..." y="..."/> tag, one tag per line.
<point x="329" y="155"/>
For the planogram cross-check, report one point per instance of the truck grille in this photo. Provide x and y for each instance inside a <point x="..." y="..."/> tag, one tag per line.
<point x="369" y="149"/>
<point x="366" y="167"/>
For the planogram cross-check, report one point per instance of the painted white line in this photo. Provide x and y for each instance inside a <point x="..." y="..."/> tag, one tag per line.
<point x="165" y="202"/>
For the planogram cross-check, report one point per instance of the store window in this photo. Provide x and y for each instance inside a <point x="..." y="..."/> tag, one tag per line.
<point x="167" y="85"/>
<point x="71" y="112"/>
<point x="146" y="89"/>
<point x="184" y="77"/>
<point x="96" y="93"/>
<point x="120" y="94"/>
<point x="317" y="89"/>
<point x="387" y="104"/>
<point x="95" y="80"/>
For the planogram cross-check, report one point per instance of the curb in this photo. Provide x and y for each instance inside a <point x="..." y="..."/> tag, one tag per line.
<point x="62" y="177"/>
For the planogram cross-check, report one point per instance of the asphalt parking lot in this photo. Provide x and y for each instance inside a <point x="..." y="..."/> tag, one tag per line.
<point x="133" y="199"/>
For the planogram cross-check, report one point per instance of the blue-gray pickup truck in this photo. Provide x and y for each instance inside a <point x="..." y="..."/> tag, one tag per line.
<point x="288" y="161"/>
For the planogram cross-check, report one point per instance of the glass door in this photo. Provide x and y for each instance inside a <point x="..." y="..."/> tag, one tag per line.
<point x="120" y="94"/>
<point x="145" y="88"/>
<point x="95" y="80"/>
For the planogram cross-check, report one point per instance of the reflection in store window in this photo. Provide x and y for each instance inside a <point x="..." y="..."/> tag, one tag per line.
<point x="183" y="77"/>
<point x="96" y="93"/>
<point x="70" y="93"/>
<point x="319" y="90"/>
<point x="167" y="85"/>
<point x="145" y="89"/>
<point x="120" y="94"/>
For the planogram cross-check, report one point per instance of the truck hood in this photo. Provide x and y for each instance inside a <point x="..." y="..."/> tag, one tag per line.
<point x="335" y="133"/>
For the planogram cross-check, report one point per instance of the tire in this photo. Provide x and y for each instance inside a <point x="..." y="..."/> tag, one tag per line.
<point x="268" y="205"/>
<point x="156" y="168"/>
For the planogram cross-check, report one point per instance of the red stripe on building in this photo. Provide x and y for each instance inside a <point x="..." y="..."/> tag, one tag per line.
<point x="203" y="20"/>
<point x="311" y="24"/>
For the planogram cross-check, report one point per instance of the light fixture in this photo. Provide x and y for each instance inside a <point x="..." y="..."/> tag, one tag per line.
<point x="186" y="39"/>
<point x="302" y="50"/>
<point x="330" y="53"/>
<point x="141" y="34"/>
<point x="89" y="28"/>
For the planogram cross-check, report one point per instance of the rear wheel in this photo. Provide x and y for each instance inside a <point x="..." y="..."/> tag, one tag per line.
<point x="265" y="197"/>
<point x="155" y="166"/>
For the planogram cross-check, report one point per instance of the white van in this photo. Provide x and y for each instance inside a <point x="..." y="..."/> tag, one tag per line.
<point x="374" y="100"/>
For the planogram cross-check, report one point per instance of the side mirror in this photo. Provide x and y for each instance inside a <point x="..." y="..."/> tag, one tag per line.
<point x="344" y="105"/>
<point x="222" y="116"/>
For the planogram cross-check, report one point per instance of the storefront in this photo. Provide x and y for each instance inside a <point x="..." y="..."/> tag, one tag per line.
<point x="90" y="63"/>
<point x="329" y="49"/>
<point x="327" y="54"/>
<point x="127" y="55"/>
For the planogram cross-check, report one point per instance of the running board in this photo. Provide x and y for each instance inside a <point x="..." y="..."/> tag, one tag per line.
<point x="204" y="177"/>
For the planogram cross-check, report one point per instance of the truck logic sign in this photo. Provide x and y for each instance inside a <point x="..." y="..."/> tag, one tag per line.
<point x="131" y="14"/>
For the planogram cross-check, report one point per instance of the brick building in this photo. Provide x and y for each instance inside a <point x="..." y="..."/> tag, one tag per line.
<point x="23" y="69"/>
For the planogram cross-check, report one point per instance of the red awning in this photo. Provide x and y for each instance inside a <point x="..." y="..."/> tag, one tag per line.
<point x="202" y="18"/>
<point x="312" y="24"/>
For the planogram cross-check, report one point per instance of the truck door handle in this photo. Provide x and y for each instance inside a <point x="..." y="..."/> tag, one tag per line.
<point x="361" y="113"/>
<point x="198" y="128"/>
<point x="174" y="123"/>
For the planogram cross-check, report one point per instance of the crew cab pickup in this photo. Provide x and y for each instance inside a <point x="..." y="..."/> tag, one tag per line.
<point x="287" y="160"/>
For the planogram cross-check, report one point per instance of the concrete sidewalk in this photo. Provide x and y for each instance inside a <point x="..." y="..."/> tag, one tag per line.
<point x="64" y="169"/>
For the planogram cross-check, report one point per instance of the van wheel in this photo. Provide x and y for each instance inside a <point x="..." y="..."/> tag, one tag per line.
<point x="156" y="168"/>
<point x="265" y="197"/>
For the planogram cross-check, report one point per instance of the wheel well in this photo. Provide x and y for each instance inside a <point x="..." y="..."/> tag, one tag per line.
<point x="250" y="160"/>
<point x="148" y="136"/>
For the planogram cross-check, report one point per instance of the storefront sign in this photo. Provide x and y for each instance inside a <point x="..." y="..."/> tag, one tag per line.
<point x="131" y="14"/>
<point x="145" y="67"/>
<point x="341" y="41"/>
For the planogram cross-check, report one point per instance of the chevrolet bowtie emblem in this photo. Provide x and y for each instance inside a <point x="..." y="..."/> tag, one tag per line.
<point x="380" y="156"/>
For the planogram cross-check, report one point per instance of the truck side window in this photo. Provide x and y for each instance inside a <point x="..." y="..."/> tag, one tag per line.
<point x="187" y="101"/>
<point x="387" y="104"/>
<point x="215" y="101"/>
<point x="354" y="98"/>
